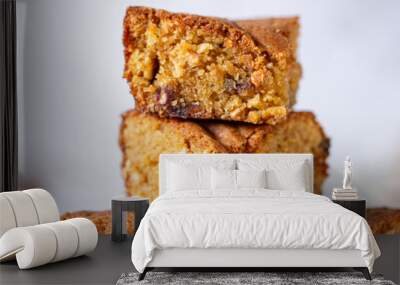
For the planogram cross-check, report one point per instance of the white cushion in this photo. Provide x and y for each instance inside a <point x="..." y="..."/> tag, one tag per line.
<point x="7" y="218"/>
<point x="46" y="207"/>
<point x="223" y="179"/>
<point x="26" y="208"/>
<point x="291" y="175"/>
<point x="87" y="233"/>
<point x="66" y="237"/>
<point x="40" y="244"/>
<point x="251" y="178"/>
<point x="23" y="208"/>
<point x="32" y="246"/>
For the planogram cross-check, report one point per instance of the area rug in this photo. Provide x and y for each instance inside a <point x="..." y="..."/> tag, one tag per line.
<point x="229" y="278"/>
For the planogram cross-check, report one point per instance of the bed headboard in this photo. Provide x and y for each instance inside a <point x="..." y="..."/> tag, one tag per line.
<point x="269" y="158"/>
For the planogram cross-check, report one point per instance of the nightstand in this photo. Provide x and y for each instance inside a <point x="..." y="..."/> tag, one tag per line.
<point x="357" y="206"/>
<point x="120" y="206"/>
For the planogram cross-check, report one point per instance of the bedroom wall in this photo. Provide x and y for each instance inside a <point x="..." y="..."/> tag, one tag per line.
<point x="72" y="94"/>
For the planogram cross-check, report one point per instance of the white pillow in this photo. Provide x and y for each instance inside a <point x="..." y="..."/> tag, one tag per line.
<point x="251" y="178"/>
<point x="291" y="178"/>
<point x="226" y="179"/>
<point x="289" y="175"/>
<point x="183" y="177"/>
<point x="223" y="179"/>
<point x="193" y="174"/>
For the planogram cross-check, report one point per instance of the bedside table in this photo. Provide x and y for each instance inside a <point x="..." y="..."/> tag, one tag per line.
<point x="357" y="206"/>
<point x="120" y="206"/>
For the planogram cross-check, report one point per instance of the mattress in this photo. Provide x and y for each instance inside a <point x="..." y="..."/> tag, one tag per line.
<point x="250" y="219"/>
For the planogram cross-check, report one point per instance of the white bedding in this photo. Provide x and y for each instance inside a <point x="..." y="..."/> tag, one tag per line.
<point x="250" y="219"/>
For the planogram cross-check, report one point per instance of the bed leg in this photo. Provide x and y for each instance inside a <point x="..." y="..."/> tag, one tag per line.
<point x="364" y="271"/>
<point x="143" y="274"/>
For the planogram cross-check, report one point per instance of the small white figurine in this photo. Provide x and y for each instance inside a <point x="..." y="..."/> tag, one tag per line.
<point x="347" y="174"/>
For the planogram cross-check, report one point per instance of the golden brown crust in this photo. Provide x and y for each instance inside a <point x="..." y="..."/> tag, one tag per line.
<point x="249" y="138"/>
<point x="300" y="133"/>
<point x="190" y="66"/>
<point x="264" y="30"/>
<point x="102" y="220"/>
<point x="194" y="136"/>
<point x="278" y="36"/>
<point x="384" y="220"/>
<point x="143" y="137"/>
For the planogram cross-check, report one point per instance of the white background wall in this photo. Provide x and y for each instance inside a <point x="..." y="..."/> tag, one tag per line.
<point x="71" y="91"/>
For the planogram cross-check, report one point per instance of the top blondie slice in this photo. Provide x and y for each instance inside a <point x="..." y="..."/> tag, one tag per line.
<point x="189" y="66"/>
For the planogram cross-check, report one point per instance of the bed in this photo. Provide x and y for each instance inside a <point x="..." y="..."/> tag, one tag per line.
<point x="247" y="211"/>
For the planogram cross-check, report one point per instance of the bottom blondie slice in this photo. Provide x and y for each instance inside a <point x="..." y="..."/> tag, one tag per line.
<point x="144" y="137"/>
<point x="381" y="220"/>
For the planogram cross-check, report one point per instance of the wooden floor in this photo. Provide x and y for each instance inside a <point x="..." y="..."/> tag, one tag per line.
<point x="110" y="260"/>
<point x="389" y="262"/>
<point x="103" y="266"/>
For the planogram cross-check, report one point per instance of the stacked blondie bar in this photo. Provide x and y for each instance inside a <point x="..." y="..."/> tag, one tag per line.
<point x="208" y="85"/>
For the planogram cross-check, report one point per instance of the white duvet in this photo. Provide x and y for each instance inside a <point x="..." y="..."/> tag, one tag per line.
<point x="250" y="219"/>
